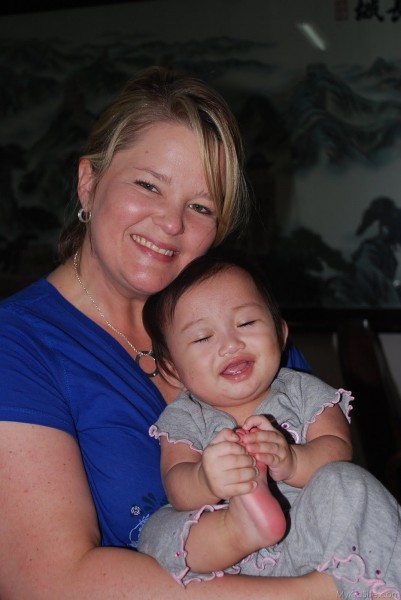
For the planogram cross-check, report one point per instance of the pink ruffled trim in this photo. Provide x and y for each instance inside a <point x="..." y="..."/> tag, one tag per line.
<point x="375" y="586"/>
<point x="336" y="400"/>
<point x="182" y="553"/>
<point x="184" y="577"/>
<point x="259" y="560"/>
<point x="157" y="434"/>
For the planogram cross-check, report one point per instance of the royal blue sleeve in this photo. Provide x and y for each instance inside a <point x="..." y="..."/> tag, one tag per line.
<point x="294" y="359"/>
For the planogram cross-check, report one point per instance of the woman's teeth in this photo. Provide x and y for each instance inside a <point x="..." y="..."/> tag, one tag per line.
<point x="142" y="242"/>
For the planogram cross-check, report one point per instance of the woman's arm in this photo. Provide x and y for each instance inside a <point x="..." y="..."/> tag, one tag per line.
<point x="192" y="479"/>
<point x="49" y="537"/>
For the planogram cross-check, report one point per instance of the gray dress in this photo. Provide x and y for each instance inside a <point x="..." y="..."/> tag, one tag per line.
<point x="343" y="522"/>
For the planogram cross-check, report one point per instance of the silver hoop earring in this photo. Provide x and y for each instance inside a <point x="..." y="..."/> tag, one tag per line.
<point x="84" y="216"/>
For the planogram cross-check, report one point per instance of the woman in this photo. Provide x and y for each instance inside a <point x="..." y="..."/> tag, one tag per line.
<point x="160" y="183"/>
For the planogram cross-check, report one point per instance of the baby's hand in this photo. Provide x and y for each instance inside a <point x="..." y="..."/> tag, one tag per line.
<point x="227" y="467"/>
<point x="269" y="446"/>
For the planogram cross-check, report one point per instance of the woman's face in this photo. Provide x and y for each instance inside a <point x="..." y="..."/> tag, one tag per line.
<point x="151" y="212"/>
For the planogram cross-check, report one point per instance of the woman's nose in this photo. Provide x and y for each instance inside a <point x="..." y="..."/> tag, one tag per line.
<point x="171" y="220"/>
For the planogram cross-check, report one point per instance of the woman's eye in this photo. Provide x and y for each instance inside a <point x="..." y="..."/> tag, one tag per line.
<point x="200" y="208"/>
<point x="145" y="184"/>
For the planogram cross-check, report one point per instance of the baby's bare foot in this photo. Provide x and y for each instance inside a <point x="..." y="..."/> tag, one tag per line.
<point x="257" y="518"/>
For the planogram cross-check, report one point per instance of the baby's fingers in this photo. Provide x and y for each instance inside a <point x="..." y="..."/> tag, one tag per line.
<point x="240" y="480"/>
<point x="235" y="475"/>
<point x="259" y="422"/>
<point x="225" y="435"/>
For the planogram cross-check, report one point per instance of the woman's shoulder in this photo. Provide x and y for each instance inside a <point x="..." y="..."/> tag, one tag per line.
<point x="26" y="295"/>
<point x="20" y="311"/>
<point x="38" y="298"/>
<point x="39" y="307"/>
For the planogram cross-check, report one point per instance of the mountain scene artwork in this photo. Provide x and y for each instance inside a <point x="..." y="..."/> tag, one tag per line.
<point x="322" y="142"/>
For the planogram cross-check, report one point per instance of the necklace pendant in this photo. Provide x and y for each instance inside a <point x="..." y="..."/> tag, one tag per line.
<point x="139" y="353"/>
<point x="145" y="353"/>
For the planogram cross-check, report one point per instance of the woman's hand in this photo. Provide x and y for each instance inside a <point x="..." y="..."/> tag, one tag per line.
<point x="227" y="468"/>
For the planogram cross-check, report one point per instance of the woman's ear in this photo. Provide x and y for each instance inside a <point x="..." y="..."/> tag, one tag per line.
<point x="85" y="183"/>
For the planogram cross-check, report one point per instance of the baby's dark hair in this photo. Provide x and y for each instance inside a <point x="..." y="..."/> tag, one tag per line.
<point x="159" y="308"/>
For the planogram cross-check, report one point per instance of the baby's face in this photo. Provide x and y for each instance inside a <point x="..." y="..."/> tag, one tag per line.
<point x="223" y="342"/>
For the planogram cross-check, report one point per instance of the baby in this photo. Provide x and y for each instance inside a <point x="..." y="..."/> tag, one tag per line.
<point x="218" y="334"/>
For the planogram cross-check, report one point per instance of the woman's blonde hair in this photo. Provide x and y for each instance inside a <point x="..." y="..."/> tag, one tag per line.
<point x="159" y="95"/>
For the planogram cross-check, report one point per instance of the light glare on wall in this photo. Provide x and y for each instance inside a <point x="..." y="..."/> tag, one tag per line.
<point x="313" y="37"/>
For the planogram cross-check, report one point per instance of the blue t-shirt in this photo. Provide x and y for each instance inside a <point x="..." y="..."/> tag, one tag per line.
<point x="60" y="369"/>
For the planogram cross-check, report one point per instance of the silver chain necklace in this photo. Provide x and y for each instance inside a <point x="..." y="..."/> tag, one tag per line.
<point x="139" y="353"/>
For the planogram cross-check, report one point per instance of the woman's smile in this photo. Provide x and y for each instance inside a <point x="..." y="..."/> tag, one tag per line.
<point x="152" y="212"/>
<point x="148" y="244"/>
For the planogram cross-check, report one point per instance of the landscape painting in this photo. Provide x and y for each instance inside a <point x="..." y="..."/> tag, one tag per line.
<point x="316" y="88"/>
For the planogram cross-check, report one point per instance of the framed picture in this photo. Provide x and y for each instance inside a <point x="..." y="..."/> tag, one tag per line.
<point x="316" y="90"/>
